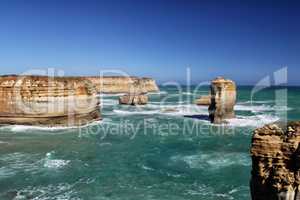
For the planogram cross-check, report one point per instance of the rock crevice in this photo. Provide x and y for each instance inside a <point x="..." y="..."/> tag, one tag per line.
<point x="137" y="94"/>
<point x="223" y="97"/>
<point x="275" y="155"/>
<point x="49" y="101"/>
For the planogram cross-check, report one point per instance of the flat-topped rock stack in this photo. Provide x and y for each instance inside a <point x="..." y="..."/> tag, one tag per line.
<point x="275" y="155"/>
<point x="120" y="84"/>
<point x="48" y="101"/>
<point x="223" y="98"/>
<point x="136" y="95"/>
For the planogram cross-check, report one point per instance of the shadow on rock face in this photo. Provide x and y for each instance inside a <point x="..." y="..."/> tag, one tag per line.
<point x="201" y="117"/>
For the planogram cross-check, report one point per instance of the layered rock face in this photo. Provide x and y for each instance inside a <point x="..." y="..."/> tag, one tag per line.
<point x="150" y="85"/>
<point x="204" y="100"/>
<point x="137" y="94"/>
<point x="133" y="99"/>
<point x="118" y="84"/>
<point x="223" y="97"/>
<point x="275" y="155"/>
<point x="49" y="101"/>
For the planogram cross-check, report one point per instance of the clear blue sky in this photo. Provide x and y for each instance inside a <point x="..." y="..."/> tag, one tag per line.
<point x="242" y="40"/>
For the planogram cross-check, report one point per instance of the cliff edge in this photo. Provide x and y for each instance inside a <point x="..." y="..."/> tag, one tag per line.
<point x="49" y="101"/>
<point x="121" y="84"/>
<point x="275" y="155"/>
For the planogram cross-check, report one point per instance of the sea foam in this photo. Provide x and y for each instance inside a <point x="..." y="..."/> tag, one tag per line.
<point x="214" y="160"/>
<point x="260" y="108"/>
<point x="173" y="110"/>
<point x="57" y="129"/>
<point x="110" y="95"/>
<point x="49" y="162"/>
<point x="61" y="191"/>
<point x="254" y="121"/>
<point x="141" y="112"/>
<point x="158" y="93"/>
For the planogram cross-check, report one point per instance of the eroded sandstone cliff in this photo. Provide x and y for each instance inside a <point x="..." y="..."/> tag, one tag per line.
<point x="136" y="95"/>
<point x="54" y="101"/>
<point x="119" y="84"/>
<point x="275" y="155"/>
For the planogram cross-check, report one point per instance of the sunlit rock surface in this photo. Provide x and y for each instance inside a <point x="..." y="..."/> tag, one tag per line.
<point x="119" y="84"/>
<point x="223" y="98"/>
<point x="136" y="95"/>
<point x="204" y="100"/>
<point x="275" y="155"/>
<point x="49" y="101"/>
<point x="134" y="99"/>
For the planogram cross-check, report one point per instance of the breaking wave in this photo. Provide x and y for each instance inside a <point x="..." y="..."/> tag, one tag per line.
<point x="254" y="121"/>
<point x="260" y="108"/>
<point x="142" y="112"/>
<point x="158" y="93"/>
<point x="110" y="95"/>
<point x="203" y="191"/>
<point x="49" y="162"/>
<point x="28" y="163"/>
<point x="58" y="191"/>
<point x="257" y="102"/>
<point x="213" y="161"/>
<point x="179" y="110"/>
<point x="56" y="129"/>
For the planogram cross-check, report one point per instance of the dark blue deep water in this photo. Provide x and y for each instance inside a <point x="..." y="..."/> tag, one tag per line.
<point x="164" y="150"/>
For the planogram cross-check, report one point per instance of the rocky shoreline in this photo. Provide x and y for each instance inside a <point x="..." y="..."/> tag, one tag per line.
<point x="58" y="101"/>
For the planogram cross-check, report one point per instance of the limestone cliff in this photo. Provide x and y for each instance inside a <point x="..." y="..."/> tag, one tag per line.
<point x="40" y="100"/>
<point x="136" y="95"/>
<point x="275" y="155"/>
<point x="119" y="84"/>
<point x="223" y="97"/>
<point x="133" y="100"/>
<point x="150" y="85"/>
<point x="204" y="100"/>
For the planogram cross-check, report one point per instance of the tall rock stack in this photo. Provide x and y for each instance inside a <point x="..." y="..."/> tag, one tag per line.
<point x="275" y="155"/>
<point x="137" y="94"/>
<point x="223" y="97"/>
<point x="47" y="101"/>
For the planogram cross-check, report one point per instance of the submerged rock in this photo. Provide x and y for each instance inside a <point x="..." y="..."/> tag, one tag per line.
<point x="204" y="100"/>
<point x="275" y="155"/>
<point x="223" y="97"/>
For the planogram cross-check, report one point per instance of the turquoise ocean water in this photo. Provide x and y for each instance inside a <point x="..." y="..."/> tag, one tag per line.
<point x="164" y="150"/>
